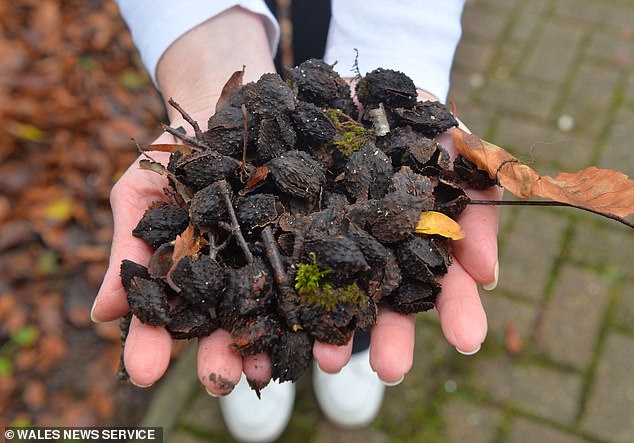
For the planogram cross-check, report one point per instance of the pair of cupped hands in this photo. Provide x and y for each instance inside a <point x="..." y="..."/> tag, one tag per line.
<point x="193" y="71"/>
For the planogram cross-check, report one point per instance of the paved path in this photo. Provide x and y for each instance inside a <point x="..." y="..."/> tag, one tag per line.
<point x="552" y="81"/>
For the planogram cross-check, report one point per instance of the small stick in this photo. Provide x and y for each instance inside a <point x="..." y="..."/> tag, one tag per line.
<point x="235" y="226"/>
<point x="298" y="244"/>
<point x="289" y="299"/>
<point x="190" y="141"/>
<point x="214" y="249"/>
<point x="243" y="164"/>
<point x="187" y="117"/>
<point x="550" y="203"/>
<point x="246" y="133"/>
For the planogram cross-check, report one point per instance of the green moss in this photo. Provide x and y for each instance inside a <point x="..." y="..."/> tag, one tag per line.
<point x="352" y="134"/>
<point x="313" y="287"/>
<point x="362" y="90"/>
<point x="352" y="294"/>
<point x="309" y="278"/>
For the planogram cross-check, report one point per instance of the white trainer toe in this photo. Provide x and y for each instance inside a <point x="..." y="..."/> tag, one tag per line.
<point x="352" y="397"/>
<point x="253" y="420"/>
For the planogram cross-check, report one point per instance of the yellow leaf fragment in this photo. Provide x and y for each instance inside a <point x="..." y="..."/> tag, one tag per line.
<point x="60" y="210"/>
<point x="25" y="131"/>
<point x="437" y="223"/>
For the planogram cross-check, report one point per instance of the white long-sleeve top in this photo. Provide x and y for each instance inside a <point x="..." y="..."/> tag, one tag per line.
<point x="416" y="37"/>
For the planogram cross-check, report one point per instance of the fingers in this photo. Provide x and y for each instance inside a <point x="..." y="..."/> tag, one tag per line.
<point x="477" y="252"/>
<point x="331" y="358"/>
<point x="462" y="316"/>
<point x="257" y="369"/>
<point x="219" y="367"/>
<point x="130" y="197"/>
<point x="146" y="353"/>
<point x="392" y="345"/>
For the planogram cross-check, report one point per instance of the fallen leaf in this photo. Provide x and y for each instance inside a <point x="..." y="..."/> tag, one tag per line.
<point x="153" y="166"/>
<point x="34" y="394"/>
<point x="60" y="210"/>
<point x="25" y="336"/>
<point x="167" y="147"/>
<point x="233" y="85"/>
<point x="437" y="223"/>
<point x="187" y="243"/>
<point x="601" y="190"/>
<point x="132" y="80"/>
<point x="25" y="131"/>
<point x="256" y="180"/>
<point x="150" y="165"/>
<point x="514" y="345"/>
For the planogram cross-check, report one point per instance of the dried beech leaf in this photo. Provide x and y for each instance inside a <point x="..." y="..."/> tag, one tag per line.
<point x="232" y="86"/>
<point x="601" y="190"/>
<point x="167" y="147"/>
<point x="437" y="223"/>
<point x="152" y="166"/>
<point x="188" y="243"/>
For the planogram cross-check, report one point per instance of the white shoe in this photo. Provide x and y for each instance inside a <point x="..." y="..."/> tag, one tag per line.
<point x="253" y="420"/>
<point x="352" y="397"/>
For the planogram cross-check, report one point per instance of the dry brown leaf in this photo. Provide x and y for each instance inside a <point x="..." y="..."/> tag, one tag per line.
<point x="233" y="85"/>
<point x="601" y="190"/>
<point x="514" y="344"/>
<point x="188" y="243"/>
<point x="167" y="147"/>
<point x="437" y="223"/>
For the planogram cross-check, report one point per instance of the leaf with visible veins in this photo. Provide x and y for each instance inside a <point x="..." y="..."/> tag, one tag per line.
<point x="600" y="190"/>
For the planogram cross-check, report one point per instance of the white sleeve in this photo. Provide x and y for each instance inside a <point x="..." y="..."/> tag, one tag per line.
<point x="416" y="37"/>
<point x="156" y="24"/>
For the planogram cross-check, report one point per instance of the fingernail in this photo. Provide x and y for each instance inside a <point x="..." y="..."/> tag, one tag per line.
<point x="393" y="383"/>
<point x="329" y="372"/>
<point x="92" y="313"/>
<point x="139" y="385"/>
<point x="211" y="393"/>
<point x="475" y="351"/>
<point x="496" y="273"/>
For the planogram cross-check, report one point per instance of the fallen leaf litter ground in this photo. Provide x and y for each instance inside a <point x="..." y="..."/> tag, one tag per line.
<point x="73" y="94"/>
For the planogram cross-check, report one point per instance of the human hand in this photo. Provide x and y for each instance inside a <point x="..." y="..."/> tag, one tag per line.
<point x="148" y="348"/>
<point x="462" y="316"/>
<point x="193" y="71"/>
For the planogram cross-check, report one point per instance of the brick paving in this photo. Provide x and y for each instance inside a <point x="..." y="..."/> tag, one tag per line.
<point x="553" y="82"/>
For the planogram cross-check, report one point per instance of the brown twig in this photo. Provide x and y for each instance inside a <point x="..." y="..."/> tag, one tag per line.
<point x="550" y="203"/>
<point x="243" y="164"/>
<point x="298" y="247"/>
<point x="289" y="300"/>
<point x="284" y="12"/>
<point x="235" y="226"/>
<point x="214" y="249"/>
<point x="187" y="118"/>
<point x="189" y="141"/>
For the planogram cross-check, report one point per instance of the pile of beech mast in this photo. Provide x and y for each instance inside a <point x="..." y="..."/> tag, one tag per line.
<point x="292" y="218"/>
